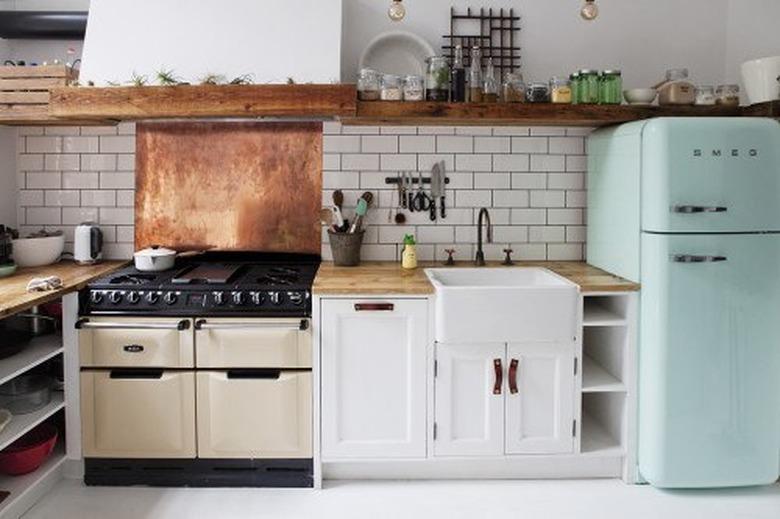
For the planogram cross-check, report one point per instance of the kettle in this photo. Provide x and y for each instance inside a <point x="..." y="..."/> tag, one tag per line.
<point x="87" y="244"/>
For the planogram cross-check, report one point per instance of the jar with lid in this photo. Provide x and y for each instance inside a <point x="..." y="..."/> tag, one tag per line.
<point x="437" y="80"/>
<point x="727" y="95"/>
<point x="513" y="88"/>
<point x="574" y="80"/>
<point x="611" y="87"/>
<point x="560" y="90"/>
<point x="391" y="88"/>
<point x="414" y="89"/>
<point x="589" y="86"/>
<point x="538" y="93"/>
<point x="369" y="84"/>
<point x="705" y="95"/>
<point x="490" y="85"/>
<point x="677" y="89"/>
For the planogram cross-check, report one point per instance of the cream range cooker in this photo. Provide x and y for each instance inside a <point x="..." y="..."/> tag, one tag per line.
<point x="200" y="375"/>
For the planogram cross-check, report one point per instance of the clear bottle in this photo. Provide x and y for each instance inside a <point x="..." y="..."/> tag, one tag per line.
<point x="458" y="79"/>
<point x="513" y="88"/>
<point x="677" y="89"/>
<point x="437" y="80"/>
<point x="475" y="76"/>
<point x="490" y="84"/>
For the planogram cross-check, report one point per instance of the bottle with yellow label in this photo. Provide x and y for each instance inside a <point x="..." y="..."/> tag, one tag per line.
<point x="409" y="255"/>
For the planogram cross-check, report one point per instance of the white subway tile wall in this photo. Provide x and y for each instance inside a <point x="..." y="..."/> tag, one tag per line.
<point x="531" y="179"/>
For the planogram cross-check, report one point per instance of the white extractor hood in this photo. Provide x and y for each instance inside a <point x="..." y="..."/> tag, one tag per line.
<point x="270" y="39"/>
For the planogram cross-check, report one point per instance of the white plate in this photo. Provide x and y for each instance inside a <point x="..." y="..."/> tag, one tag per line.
<point x="5" y="418"/>
<point x="397" y="52"/>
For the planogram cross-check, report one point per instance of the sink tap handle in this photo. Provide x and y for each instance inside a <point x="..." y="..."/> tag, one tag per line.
<point x="508" y="259"/>
<point x="450" y="253"/>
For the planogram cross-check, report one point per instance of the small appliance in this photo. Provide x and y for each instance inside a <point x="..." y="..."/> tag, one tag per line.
<point x="88" y="244"/>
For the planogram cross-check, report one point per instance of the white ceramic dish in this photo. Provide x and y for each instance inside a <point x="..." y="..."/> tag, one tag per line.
<point x="154" y="259"/>
<point x="397" y="52"/>
<point x="760" y="79"/>
<point x="640" y="96"/>
<point x="37" y="252"/>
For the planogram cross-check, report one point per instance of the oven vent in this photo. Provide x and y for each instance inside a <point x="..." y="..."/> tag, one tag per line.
<point x="43" y="25"/>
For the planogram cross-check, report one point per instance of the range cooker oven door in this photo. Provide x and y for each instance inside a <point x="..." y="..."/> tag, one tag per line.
<point x="136" y="400"/>
<point x="257" y="414"/>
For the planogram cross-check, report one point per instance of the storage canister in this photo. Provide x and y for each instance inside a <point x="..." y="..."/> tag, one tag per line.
<point x="727" y="95"/>
<point x="589" y="86"/>
<point x="574" y="79"/>
<point x="611" y="87"/>
<point x="560" y="90"/>
<point x="369" y="84"/>
<point x="437" y="80"/>
<point x="391" y="88"/>
<point x="414" y="89"/>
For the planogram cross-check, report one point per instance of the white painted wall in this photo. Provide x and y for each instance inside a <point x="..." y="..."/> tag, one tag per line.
<point x="8" y="188"/>
<point x="751" y="33"/>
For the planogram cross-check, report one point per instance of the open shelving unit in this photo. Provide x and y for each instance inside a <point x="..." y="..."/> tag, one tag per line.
<point x="29" y="488"/>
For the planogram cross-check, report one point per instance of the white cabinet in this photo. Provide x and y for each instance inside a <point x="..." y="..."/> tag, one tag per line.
<point x="496" y="399"/>
<point x="469" y="400"/>
<point x="373" y="365"/>
<point x="540" y="400"/>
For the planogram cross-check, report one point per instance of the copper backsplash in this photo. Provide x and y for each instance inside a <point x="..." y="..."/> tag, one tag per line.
<point x="229" y="186"/>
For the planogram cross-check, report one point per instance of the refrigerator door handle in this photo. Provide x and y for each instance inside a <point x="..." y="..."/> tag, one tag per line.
<point x="694" y="209"/>
<point x="691" y="258"/>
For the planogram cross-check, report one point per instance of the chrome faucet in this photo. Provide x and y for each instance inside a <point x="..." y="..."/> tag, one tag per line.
<point x="483" y="213"/>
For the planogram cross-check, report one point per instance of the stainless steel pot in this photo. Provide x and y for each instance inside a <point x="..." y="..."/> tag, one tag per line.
<point x="34" y="322"/>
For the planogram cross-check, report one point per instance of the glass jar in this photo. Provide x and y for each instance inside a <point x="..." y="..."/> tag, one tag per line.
<point x="589" y="87"/>
<point x="490" y="84"/>
<point x="391" y="88"/>
<point x="475" y="76"/>
<point x="369" y="84"/>
<point x="576" y="89"/>
<point x="705" y="95"/>
<point x="611" y="87"/>
<point x="727" y="95"/>
<point x="538" y="93"/>
<point x="437" y="80"/>
<point x="513" y="88"/>
<point x="560" y="90"/>
<point x="676" y="90"/>
<point x="414" y="89"/>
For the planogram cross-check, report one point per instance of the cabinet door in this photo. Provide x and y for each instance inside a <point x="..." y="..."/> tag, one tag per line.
<point x="540" y="398"/>
<point x="373" y="378"/>
<point x="469" y="399"/>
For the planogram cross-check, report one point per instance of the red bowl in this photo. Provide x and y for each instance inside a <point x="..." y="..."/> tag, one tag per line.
<point x="30" y="451"/>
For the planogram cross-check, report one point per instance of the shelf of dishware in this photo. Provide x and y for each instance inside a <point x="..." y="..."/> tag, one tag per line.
<point x="24" y="491"/>
<point x="24" y="423"/>
<point x="39" y="350"/>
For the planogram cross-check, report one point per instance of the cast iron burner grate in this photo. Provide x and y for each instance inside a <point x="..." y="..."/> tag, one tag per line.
<point x="132" y="279"/>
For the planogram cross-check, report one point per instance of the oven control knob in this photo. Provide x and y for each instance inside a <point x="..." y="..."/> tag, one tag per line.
<point x="115" y="297"/>
<point x="152" y="298"/>
<point x="295" y="298"/>
<point x="96" y="297"/>
<point x="133" y="297"/>
<point x="170" y="298"/>
<point x="239" y="298"/>
<point x="275" y="297"/>
<point x="257" y="298"/>
<point x="219" y="298"/>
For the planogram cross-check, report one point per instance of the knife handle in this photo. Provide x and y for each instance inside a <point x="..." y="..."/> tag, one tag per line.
<point x="433" y="209"/>
<point x="443" y="209"/>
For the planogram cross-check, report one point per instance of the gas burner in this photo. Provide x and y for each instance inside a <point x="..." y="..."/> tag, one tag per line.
<point x="132" y="279"/>
<point x="287" y="271"/>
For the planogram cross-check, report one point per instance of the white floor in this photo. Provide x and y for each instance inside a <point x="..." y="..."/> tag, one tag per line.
<point x="580" y="499"/>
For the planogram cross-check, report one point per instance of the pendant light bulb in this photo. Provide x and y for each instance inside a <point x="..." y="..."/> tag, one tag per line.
<point x="397" y="11"/>
<point x="589" y="10"/>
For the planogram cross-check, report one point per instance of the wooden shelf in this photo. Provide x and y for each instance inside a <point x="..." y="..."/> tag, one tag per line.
<point x="596" y="379"/>
<point x="203" y="101"/>
<point x="23" y="423"/>
<point x="770" y="109"/>
<point x="26" y="490"/>
<point x="596" y="440"/>
<point x="523" y="114"/>
<point x="38" y="351"/>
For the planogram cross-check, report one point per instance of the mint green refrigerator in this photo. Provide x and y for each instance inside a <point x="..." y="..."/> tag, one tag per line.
<point x="690" y="208"/>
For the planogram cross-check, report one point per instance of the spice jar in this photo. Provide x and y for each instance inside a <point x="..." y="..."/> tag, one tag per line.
<point x="414" y="90"/>
<point x="727" y="95"/>
<point x="576" y="89"/>
<point x="589" y="87"/>
<point x="391" y="88"/>
<point x="513" y="88"/>
<point x="676" y="90"/>
<point x="705" y="95"/>
<point x="437" y="80"/>
<point x="368" y="86"/>
<point x="538" y="93"/>
<point x="560" y="90"/>
<point x="611" y="87"/>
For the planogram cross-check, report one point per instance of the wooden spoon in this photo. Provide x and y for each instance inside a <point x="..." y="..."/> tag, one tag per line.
<point x="338" y="198"/>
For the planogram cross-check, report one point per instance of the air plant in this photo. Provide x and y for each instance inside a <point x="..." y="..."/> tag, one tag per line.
<point x="246" y="79"/>
<point x="290" y="81"/>
<point x="138" y="80"/>
<point x="212" y="79"/>
<point x="113" y="83"/>
<point x="166" y="77"/>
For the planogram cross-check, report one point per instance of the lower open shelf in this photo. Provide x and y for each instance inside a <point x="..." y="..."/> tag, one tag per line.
<point x="23" y="423"/>
<point x="596" y="440"/>
<point x="24" y="491"/>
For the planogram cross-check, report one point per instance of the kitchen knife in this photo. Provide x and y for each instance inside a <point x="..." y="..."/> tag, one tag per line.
<point x="442" y="187"/>
<point x="435" y="188"/>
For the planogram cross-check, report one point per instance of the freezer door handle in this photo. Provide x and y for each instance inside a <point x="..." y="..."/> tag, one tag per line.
<point x="691" y="258"/>
<point x="695" y="209"/>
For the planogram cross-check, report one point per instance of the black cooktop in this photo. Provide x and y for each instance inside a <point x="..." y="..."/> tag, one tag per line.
<point x="213" y="283"/>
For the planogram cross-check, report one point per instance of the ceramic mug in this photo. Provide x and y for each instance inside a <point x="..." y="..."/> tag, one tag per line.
<point x="760" y="77"/>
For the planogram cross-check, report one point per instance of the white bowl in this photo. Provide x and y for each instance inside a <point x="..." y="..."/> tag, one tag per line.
<point x="36" y="252"/>
<point x="760" y="79"/>
<point x="640" y="96"/>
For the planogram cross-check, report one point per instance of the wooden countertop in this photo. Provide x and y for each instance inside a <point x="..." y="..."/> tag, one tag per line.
<point x="13" y="289"/>
<point x="388" y="278"/>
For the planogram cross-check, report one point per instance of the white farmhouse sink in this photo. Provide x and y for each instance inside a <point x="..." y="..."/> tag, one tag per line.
<point x="513" y="304"/>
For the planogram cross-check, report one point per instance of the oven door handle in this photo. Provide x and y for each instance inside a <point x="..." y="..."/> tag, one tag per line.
<point x="86" y="324"/>
<point x="202" y="324"/>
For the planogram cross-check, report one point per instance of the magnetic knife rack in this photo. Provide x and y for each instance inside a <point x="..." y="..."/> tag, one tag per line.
<point x="413" y="180"/>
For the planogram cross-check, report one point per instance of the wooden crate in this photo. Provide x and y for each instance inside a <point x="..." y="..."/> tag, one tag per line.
<point x="24" y="91"/>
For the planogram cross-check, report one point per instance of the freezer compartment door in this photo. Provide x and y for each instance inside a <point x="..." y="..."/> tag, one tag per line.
<point x="711" y="175"/>
<point x="709" y="398"/>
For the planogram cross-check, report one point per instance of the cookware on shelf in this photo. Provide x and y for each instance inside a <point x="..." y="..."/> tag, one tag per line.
<point x="30" y="451"/>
